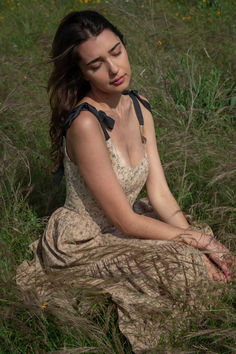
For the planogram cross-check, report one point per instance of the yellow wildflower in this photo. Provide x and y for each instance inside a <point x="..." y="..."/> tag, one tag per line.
<point x="184" y="18"/>
<point x="203" y="0"/>
<point x="45" y="305"/>
<point x="12" y="8"/>
<point x="159" y="43"/>
<point x="142" y="5"/>
<point x="177" y="14"/>
<point x="218" y="13"/>
<point x="189" y="18"/>
<point x="98" y="1"/>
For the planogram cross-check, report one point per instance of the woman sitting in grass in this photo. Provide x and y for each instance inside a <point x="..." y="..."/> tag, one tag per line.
<point x="155" y="266"/>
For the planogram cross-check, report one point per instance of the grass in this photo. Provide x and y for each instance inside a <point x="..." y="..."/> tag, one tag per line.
<point x="183" y="61"/>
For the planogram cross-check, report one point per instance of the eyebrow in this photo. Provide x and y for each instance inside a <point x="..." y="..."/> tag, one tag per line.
<point x="99" y="58"/>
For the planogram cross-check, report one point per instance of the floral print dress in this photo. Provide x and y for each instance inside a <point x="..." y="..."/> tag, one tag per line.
<point x="152" y="282"/>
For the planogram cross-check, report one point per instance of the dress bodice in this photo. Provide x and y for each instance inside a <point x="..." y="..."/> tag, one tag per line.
<point x="79" y="197"/>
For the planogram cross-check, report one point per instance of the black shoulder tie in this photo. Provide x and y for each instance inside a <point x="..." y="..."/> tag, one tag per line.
<point x="108" y="121"/>
<point x="102" y="117"/>
<point x="134" y="96"/>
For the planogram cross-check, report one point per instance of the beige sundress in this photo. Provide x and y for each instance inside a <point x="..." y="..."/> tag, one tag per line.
<point x="153" y="283"/>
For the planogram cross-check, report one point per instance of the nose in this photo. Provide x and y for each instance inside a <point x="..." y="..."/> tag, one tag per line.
<point x="112" y="67"/>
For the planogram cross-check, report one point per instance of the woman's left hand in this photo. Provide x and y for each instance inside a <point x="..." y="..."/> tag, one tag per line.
<point x="219" y="254"/>
<point x="213" y="271"/>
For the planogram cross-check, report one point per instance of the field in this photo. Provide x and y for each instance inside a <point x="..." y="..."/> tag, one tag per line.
<point x="182" y="56"/>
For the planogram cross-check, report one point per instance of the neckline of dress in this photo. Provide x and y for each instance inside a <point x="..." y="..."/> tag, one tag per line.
<point x="123" y="163"/>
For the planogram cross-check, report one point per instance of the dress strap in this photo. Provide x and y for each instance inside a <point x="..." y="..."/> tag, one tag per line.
<point x="136" y="99"/>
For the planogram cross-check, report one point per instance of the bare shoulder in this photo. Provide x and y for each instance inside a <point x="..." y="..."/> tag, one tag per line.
<point x="85" y="123"/>
<point x="143" y="97"/>
<point x="85" y="138"/>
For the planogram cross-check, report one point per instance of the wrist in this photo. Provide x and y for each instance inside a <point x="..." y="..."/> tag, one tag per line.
<point x="195" y="239"/>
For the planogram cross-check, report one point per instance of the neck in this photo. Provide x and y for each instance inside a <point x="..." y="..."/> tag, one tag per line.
<point x="107" y="100"/>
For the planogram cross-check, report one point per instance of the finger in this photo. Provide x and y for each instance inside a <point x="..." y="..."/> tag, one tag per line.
<point x="219" y="276"/>
<point x="225" y="268"/>
<point x="221" y="262"/>
<point x="214" y="273"/>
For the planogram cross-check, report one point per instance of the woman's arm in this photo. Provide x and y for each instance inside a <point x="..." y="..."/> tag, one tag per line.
<point x="87" y="148"/>
<point x="159" y="195"/>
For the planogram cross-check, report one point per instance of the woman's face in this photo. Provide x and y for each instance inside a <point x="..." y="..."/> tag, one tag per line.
<point x="104" y="63"/>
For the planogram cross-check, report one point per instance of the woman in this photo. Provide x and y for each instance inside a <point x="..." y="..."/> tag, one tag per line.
<point x="152" y="267"/>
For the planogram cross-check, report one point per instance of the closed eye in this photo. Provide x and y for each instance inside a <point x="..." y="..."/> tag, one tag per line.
<point x="117" y="53"/>
<point x="94" y="68"/>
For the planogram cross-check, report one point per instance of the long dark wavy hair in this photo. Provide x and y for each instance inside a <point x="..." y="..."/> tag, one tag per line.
<point x="66" y="85"/>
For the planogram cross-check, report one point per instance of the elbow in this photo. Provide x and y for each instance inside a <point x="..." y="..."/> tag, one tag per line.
<point x="162" y="198"/>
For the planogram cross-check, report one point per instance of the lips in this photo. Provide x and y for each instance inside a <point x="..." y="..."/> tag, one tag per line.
<point x="118" y="81"/>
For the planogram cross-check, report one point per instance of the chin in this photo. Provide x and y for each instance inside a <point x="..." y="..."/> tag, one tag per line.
<point x="126" y="85"/>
